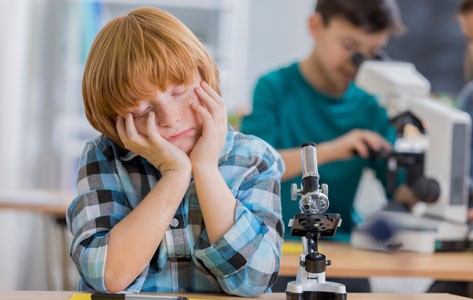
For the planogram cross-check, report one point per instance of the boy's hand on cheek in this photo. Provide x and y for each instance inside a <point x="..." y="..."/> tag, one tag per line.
<point x="213" y="114"/>
<point x="151" y="145"/>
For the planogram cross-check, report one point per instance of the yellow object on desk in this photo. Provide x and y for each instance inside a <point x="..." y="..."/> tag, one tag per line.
<point x="85" y="296"/>
<point x="293" y="247"/>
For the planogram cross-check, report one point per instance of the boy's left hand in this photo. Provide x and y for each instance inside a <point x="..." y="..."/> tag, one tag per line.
<point x="213" y="114"/>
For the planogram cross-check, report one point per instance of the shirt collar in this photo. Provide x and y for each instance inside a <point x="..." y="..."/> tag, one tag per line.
<point x="127" y="155"/>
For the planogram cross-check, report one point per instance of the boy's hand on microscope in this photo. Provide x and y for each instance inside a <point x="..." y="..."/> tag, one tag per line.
<point x="162" y="154"/>
<point x="358" y="142"/>
<point x="213" y="113"/>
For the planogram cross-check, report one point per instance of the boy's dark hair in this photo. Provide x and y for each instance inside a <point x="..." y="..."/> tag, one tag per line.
<point x="465" y="6"/>
<point x="369" y="15"/>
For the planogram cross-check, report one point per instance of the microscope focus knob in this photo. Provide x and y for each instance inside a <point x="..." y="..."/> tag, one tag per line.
<point x="325" y="189"/>
<point x="322" y="203"/>
<point x="294" y="191"/>
<point x="315" y="262"/>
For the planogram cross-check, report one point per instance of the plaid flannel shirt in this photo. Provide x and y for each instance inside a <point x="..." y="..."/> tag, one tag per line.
<point x="244" y="262"/>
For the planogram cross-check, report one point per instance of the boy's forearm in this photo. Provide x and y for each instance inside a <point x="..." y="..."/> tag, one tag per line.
<point x="216" y="202"/>
<point x="292" y="160"/>
<point x="134" y="240"/>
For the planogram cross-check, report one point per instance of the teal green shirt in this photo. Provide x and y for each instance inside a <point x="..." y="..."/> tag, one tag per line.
<point x="288" y="111"/>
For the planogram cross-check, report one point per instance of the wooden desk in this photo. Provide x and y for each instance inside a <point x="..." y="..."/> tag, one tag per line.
<point x="50" y="202"/>
<point x="356" y="263"/>
<point x="38" y="295"/>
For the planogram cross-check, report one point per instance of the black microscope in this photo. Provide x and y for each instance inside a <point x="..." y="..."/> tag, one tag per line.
<point x="311" y="224"/>
<point x="410" y="159"/>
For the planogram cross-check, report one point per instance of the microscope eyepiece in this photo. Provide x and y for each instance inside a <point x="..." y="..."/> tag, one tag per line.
<point x="313" y="199"/>
<point x="358" y="58"/>
<point x="310" y="171"/>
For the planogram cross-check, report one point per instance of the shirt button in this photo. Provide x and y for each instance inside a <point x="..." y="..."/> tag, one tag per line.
<point x="174" y="223"/>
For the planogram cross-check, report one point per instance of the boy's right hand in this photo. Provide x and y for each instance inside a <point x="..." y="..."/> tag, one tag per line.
<point x="162" y="154"/>
<point x="357" y="142"/>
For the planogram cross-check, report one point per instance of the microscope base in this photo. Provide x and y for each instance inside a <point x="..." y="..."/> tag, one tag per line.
<point x="315" y="291"/>
<point x="312" y="295"/>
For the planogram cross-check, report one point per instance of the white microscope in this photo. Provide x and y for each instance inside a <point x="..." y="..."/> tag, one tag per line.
<point x="445" y="152"/>
<point x="311" y="224"/>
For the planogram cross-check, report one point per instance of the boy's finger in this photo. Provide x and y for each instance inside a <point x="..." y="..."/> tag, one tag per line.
<point x="206" y="117"/>
<point x="374" y="140"/>
<point x="120" y="125"/>
<point x="130" y="126"/>
<point x="222" y="111"/>
<point x="132" y="132"/>
<point x="209" y="90"/>
<point x="361" y="149"/>
<point x="207" y="101"/>
<point x="152" y="130"/>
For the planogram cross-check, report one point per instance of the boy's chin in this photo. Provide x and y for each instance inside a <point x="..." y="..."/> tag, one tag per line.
<point x="343" y="83"/>
<point x="186" y="147"/>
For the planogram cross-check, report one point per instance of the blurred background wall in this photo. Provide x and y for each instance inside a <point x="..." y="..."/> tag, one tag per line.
<point x="42" y="124"/>
<point x="433" y="41"/>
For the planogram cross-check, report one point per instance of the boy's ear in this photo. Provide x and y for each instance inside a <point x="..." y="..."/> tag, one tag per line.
<point x="315" y="24"/>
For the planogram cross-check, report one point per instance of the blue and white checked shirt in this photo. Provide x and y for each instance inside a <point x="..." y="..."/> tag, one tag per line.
<point x="244" y="262"/>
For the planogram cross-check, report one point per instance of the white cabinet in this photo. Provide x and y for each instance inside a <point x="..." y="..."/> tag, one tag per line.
<point x="222" y="25"/>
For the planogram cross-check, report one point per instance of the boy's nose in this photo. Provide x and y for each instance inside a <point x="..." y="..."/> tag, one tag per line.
<point x="167" y="115"/>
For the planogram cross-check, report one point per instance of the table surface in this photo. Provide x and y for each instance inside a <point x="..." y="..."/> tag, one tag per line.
<point x="42" y="295"/>
<point x="357" y="263"/>
<point x="346" y="260"/>
<point x="51" y="202"/>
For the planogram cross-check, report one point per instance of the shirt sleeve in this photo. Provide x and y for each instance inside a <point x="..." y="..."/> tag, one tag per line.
<point x="101" y="203"/>
<point x="262" y="122"/>
<point x="246" y="259"/>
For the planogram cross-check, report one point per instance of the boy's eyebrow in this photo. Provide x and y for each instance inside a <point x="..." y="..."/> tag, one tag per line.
<point x="175" y="87"/>
<point x="171" y="86"/>
<point x="178" y="86"/>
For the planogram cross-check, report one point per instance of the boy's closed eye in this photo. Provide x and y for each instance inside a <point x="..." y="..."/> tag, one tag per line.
<point x="178" y="91"/>
<point x="141" y="113"/>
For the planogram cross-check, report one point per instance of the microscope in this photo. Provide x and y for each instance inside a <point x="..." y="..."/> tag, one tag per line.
<point x="311" y="224"/>
<point x="409" y="151"/>
<point x="436" y="162"/>
<point x="408" y="154"/>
